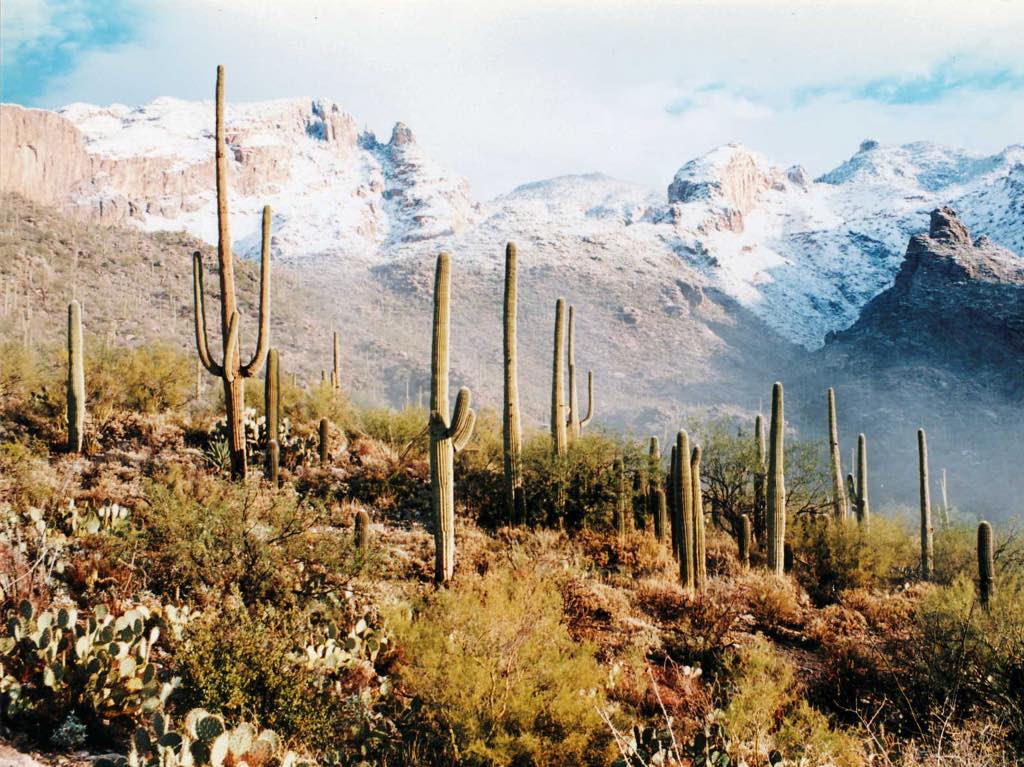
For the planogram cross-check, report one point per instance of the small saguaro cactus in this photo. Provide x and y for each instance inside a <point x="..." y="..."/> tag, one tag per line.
<point x="231" y="371"/>
<point x="272" y="406"/>
<point x="512" y="428"/>
<point x="858" y="490"/>
<point x="446" y="437"/>
<point x="76" y="379"/>
<point x="760" y="478"/>
<point x="558" y="430"/>
<point x="660" y="513"/>
<point x="325" y="442"/>
<point x="838" y="493"/>
<point x="684" y="509"/>
<point x="273" y="463"/>
<point x="776" y="533"/>
<point x="744" y="540"/>
<point x="700" y="565"/>
<point x="362" y="530"/>
<point x="336" y="369"/>
<point x="945" y="499"/>
<point x="927" y="555"/>
<point x="986" y="567"/>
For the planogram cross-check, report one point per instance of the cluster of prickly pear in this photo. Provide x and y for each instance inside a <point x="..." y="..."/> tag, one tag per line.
<point x="338" y="650"/>
<point x="102" y="662"/>
<point x="107" y="517"/>
<point x="204" y="741"/>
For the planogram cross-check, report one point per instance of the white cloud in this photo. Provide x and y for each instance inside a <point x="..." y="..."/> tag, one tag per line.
<point x="511" y="92"/>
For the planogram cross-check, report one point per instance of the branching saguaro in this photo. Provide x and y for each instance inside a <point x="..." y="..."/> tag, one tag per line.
<point x="776" y="486"/>
<point x="231" y="371"/>
<point x="512" y="428"/>
<point x="838" y="493"/>
<point x="76" y="379"/>
<point x="575" y="423"/>
<point x="446" y="437"/>
<point x="858" y="490"/>
<point x="927" y="550"/>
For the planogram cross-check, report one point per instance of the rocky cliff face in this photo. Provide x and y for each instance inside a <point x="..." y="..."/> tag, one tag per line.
<point x="956" y="302"/>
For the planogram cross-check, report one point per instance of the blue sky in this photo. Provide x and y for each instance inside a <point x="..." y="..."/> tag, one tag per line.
<point x="509" y="92"/>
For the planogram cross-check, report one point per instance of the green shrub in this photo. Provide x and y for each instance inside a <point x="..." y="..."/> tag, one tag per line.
<point x="145" y="379"/>
<point x="400" y="429"/>
<point x="494" y="669"/>
<point x="832" y="558"/>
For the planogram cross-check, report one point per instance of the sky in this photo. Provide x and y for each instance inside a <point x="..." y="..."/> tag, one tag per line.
<point x="511" y="92"/>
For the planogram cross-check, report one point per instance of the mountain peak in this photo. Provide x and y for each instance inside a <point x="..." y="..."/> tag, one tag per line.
<point x="945" y="226"/>
<point x="401" y="135"/>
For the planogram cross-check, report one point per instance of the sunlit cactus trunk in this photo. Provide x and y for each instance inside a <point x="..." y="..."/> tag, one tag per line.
<point x="675" y="521"/>
<point x="512" y="429"/>
<point x="927" y="551"/>
<point x="76" y="379"/>
<point x="986" y="566"/>
<point x="744" y="540"/>
<point x="446" y="437"/>
<point x="760" y="479"/>
<point x="858" y="490"/>
<point x="776" y="533"/>
<point x="700" y="568"/>
<point x="231" y="371"/>
<point x="361" y="538"/>
<point x="272" y="409"/>
<point x="559" y="438"/>
<point x="573" y="422"/>
<point x="683" y="511"/>
<point x="838" y="493"/>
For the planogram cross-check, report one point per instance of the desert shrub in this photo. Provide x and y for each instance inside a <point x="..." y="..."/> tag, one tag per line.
<point x="964" y="659"/>
<point x="771" y="602"/>
<point x="309" y="405"/>
<point x="145" y="379"/>
<point x="637" y="555"/>
<point x="204" y="537"/>
<point x="831" y="558"/>
<point x="22" y="372"/>
<point x="252" y="663"/>
<point x="496" y="672"/>
<point x="766" y="717"/>
<point x="404" y="429"/>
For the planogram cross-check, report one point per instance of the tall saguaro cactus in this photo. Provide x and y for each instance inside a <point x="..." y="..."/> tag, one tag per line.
<point x="927" y="555"/>
<point x="558" y="430"/>
<point x="272" y="409"/>
<point x="654" y="505"/>
<point x="776" y="486"/>
<point x="700" y="564"/>
<point x="512" y="428"/>
<point x="838" y="493"/>
<point x="446" y="437"/>
<point x="683" y="498"/>
<point x="859" y="491"/>
<point x="675" y="521"/>
<point x="76" y="379"/>
<point x="986" y="567"/>
<point x="231" y="371"/>
<point x="760" y="479"/>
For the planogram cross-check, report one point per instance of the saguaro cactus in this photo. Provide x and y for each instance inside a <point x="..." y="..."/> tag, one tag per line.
<point x="325" y="437"/>
<point x="660" y="513"/>
<point x="575" y="423"/>
<point x="558" y="431"/>
<point x="744" y="540"/>
<point x="512" y="428"/>
<point x="927" y="556"/>
<point x="776" y="486"/>
<point x="859" y="491"/>
<point x="231" y="371"/>
<point x="945" y="500"/>
<point x="838" y="493"/>
<point x="336" y="368"/>
<point x="362" y="530"/>
<point x="675" y="526"/>
<point x="986" y="567"/>
<point x="760" y="478"/>
<point x="273" y="463"/>
<point x="272" y="406"/>
<point x="700" y="565"/>
<point x="684" y="509"/>
<point x="446" y="437"/>
<point x="76" y="379"/>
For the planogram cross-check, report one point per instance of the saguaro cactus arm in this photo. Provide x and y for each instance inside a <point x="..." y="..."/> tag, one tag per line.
<point x="263" y="339"/>
<point x="463" y="420"/>
<point x="590" y="400"/>
<point x="202" y="343"/>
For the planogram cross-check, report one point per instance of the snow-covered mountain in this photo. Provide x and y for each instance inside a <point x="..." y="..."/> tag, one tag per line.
<point x="802" y="255"/>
